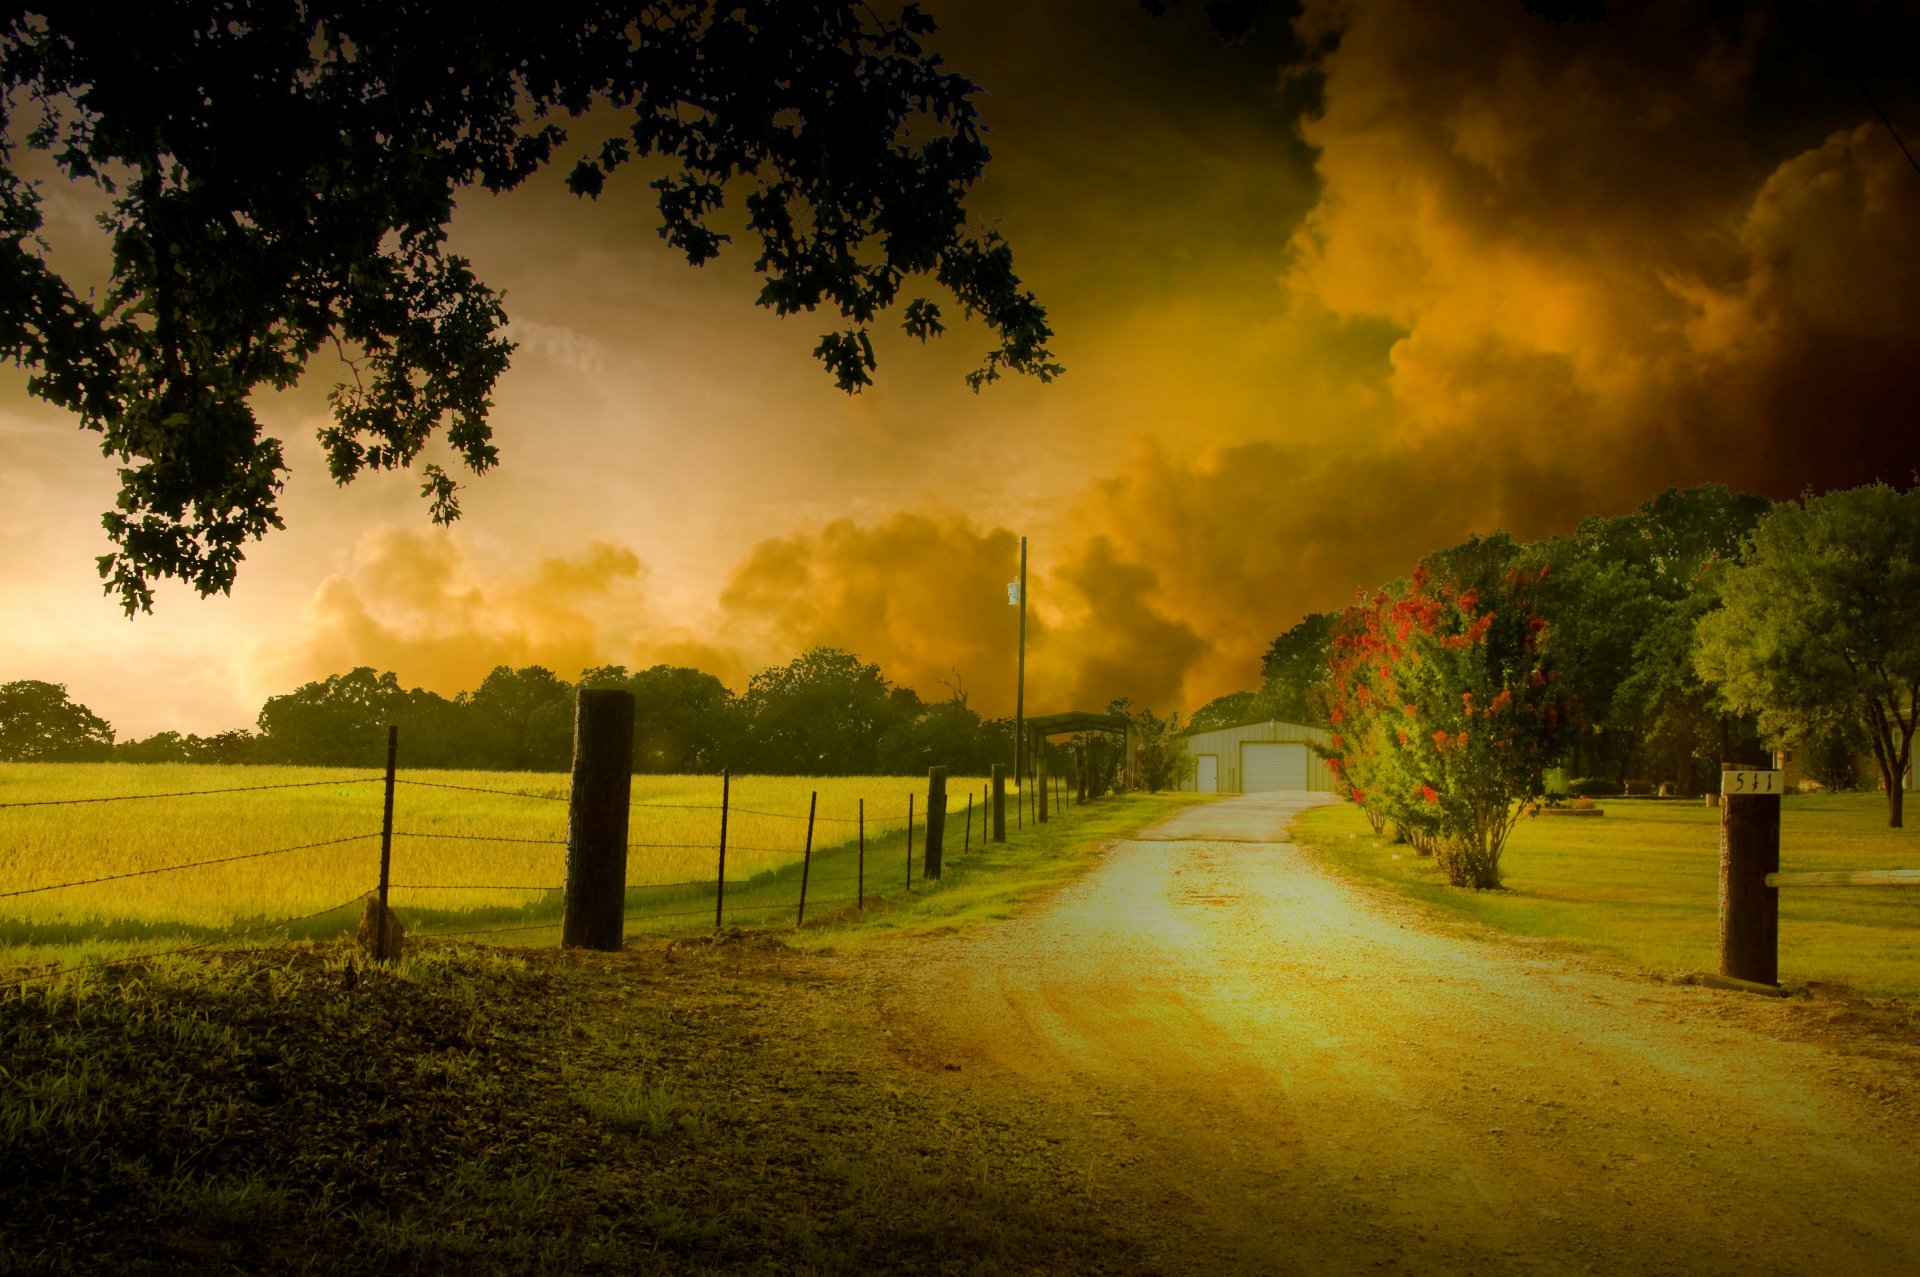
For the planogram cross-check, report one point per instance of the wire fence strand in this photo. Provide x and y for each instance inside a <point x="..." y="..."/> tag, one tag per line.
<point x="197" y="864"/>
<point x="472" y="886"/>
<point x="478" y="789"/>
<point x="195" y="793"/>
<point x="543" y="842"/>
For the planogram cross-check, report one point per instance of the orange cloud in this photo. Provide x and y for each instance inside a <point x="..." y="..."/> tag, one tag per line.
<point x="418" y="602"/>
<point x="1593" y="242"/>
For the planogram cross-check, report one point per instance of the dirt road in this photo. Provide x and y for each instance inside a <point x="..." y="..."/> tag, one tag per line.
<point x="1296" y="1074"/>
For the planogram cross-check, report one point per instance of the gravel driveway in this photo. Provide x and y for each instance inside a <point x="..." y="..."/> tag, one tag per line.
<point x="1292" y="1073"/>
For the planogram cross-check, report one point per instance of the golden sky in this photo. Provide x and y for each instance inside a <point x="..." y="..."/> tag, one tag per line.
<point x="1508" y="277"/>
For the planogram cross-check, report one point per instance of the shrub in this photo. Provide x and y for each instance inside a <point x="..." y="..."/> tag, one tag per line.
<point x="1445" y="708"/>
<point x="1593" y="787"/>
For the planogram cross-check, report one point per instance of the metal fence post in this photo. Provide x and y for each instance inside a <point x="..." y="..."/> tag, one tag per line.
<point x="806" y="858"/>
<point x="720" y="883"/>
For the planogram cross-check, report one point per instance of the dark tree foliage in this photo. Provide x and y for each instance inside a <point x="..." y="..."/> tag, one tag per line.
<point x="282" y="177"/>
<point x="823" y="712"/>
<point x="1294" y="671"/>
<point x="1226" y="711"/>
<point x="40" y="723"/>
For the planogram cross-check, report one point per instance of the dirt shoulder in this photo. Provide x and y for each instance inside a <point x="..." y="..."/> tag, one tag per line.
<point x="1297" y="1074"/>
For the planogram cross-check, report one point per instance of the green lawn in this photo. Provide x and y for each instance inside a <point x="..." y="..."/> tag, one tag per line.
<point x="1642" y="883"/>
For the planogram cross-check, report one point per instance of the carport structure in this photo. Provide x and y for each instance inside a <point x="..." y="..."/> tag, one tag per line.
<point x="1073" y="723"/>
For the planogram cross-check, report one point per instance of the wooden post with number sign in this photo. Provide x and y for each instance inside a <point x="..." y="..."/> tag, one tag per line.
<point x="1749" y="851"/>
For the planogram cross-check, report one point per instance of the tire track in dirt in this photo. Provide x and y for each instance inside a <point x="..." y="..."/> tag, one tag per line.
<point x="1289" y="1073"/>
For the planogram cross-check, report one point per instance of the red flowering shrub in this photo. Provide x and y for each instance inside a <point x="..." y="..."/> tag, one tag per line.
<point x="1471" y="663"/>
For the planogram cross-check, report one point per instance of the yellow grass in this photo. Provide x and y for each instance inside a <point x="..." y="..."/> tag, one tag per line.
<point x="450" y="851"/>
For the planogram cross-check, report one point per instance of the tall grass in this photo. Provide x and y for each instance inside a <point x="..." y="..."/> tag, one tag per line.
<point x="457" y="853"/>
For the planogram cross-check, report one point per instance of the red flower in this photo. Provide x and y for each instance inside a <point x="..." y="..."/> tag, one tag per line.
<point x="1410" y="710"/>
<point x="1440" y="740"/>
<point x="1337" y="742"/>
<point x="1427" y="792"/>
<point x="1503" y="701"/>
<point x="1337" y="714"/>
<point x="1403" y="738"/>
<point x="1468" y="600"/>
<point x="1536" y="623"/>
<point x="1335" y="765"/>
<point x="1358" y="797"/>
<point x="1536" y="679"/>
<point x="1460" y="740"/>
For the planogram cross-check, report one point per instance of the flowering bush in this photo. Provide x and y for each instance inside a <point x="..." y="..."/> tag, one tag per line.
<point x="1446" y="710"/>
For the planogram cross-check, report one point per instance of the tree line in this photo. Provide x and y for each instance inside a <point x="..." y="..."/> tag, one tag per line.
<point x="826" y="712"/>
<point x="1705" y="627"/>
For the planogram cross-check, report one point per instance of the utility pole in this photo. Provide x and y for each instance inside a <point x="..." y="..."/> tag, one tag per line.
<point x="1020" y="682"/>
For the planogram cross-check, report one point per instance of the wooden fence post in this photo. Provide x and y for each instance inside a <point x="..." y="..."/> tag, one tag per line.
<point x="597" y="820"/>
<point x="1749" y="851"/>
<point x="936" y="821"/>
<point x="806" y="858"/>
<point x="720" y="881"/>
<point x="860" y="881"/>
<point x="382" y="943"/>
<point x="1041" y="781"/>
<point x="966" y="843"/>
<point x="999" y="784"/>
<point x="909" y="842"/>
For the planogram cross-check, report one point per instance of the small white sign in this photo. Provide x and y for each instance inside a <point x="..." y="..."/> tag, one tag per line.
<point x="1749" y="782"/>
<point x="1013" y="594"/>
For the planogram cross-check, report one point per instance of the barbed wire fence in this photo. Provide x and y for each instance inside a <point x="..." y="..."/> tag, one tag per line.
<point x="786" y="880"/>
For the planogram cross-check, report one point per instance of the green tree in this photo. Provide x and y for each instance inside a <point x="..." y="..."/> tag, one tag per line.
<point x="1819" y="626"/>
<point x="1294" y="672"/>
<point x="340" y="721"/>
<point x="823" y="712"/>
<point x="1160" y="756"/>
<point x="1227" y="711"/>
<point x="522" y="719"/>
<point x="161" y="747"/>
<point x="281" y="180"/>
<point x="40" y="724"/>
<point x="684" y="720"/>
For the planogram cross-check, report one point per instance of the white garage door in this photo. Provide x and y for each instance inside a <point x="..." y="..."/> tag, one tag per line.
<point x="1273" y="765"/>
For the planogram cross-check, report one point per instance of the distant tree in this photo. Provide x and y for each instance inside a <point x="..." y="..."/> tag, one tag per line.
<point x="237" y="746"/>
<point x="1294" y="672"/>
<point x="684" y="720"/>
<point x="946" y="734"/>
<point x="282" y="177"/>
<point x="1160" y="757"/>
<point x="1625" y="596"/>
<point x="340" y="721"/>
<point x="824" y="712"/>
<point x="1226" y="711"/>
<point x="522" y="718"/>
<point x="1819" y="626"/>
<point x="161" y="747"/>
<point x="40" y="724"/>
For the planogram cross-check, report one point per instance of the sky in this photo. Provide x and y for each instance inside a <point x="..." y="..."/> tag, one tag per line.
<point x="1471" y="272"/>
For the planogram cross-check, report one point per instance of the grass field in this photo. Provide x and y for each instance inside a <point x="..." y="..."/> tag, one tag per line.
<point x="462" y="860"/>
<point x="1642" y="882"/>
<point x="712" y="1104"/>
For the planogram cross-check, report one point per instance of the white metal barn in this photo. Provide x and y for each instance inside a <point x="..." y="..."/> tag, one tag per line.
<point x="1250" y="758"/>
